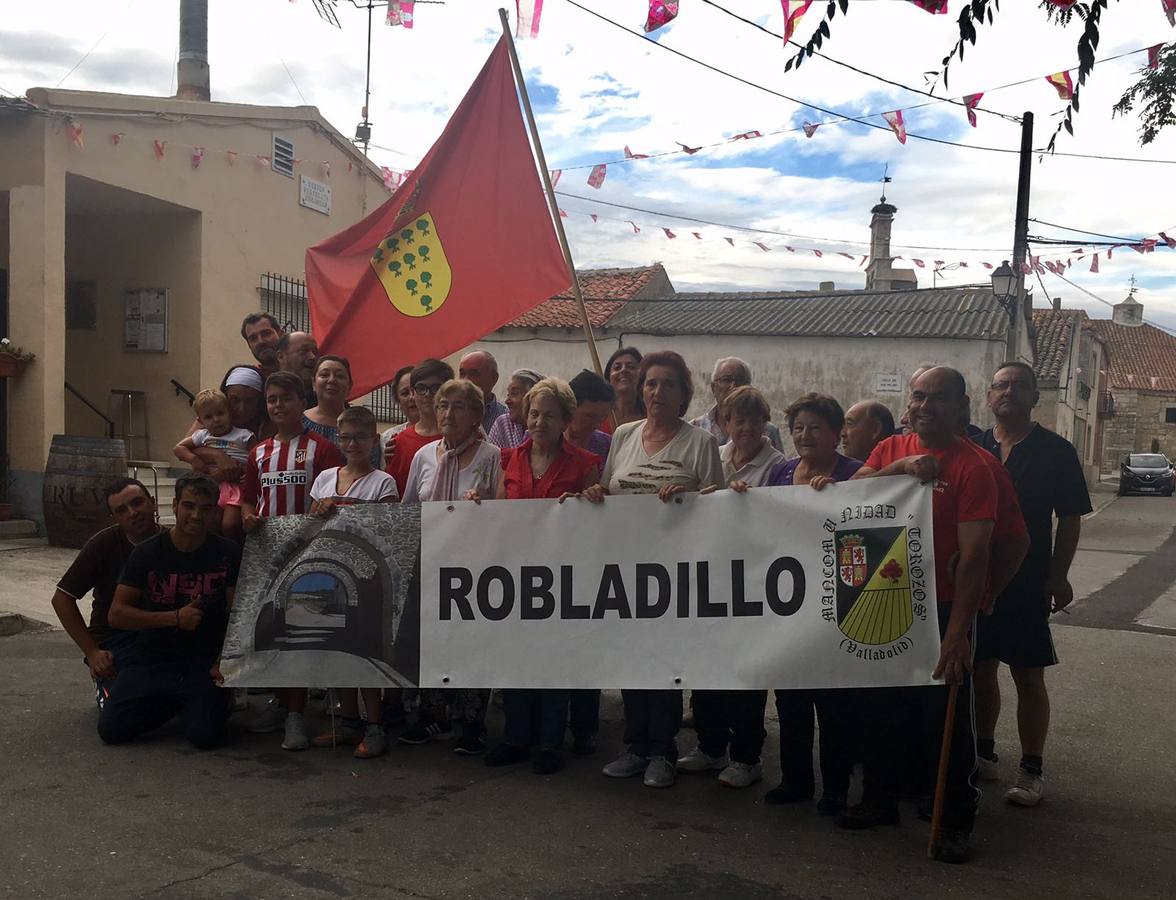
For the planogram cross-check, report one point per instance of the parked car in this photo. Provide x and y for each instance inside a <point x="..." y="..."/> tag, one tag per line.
<point x="1146" y="473"/>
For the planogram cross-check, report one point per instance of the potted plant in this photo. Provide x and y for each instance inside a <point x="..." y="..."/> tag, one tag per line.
<point x="12" y="359"/>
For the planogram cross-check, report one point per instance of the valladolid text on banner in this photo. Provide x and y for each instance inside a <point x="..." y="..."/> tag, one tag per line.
<point x="464" y="245"/>
<point x="776" y="588"/>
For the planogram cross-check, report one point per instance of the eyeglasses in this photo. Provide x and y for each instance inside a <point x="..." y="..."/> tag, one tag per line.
<point x="446" y="406"/>
<point x="355" y="438"/>
<point x="425" y="390"/>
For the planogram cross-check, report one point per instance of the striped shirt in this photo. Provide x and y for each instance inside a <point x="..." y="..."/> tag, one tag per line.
<point x="281" y="473"/>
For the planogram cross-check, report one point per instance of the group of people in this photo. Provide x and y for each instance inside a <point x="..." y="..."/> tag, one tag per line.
<point x="278" y="438"/>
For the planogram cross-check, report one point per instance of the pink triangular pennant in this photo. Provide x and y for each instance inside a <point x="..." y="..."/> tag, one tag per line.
<point x="555" y="176"/>
<point x="197" y="157"/>
<point x="763" y="247"/>
<point x="970" y="103"/>
<point x="116" y="137"/>
<point x="669" y="233"/>
<point x="818" y="253"/>
<point x="689" y="151"/>
<point x="1169" y="7"/>
<point x="747" y="136"/>
<point x="730" y="241"/>
<point x="593" y="216"/>
<point x="793" y="10"/>
<point x="636" y="230"/>
<point x="1062" y="83"/>
<point x="810" y="129"/>
<point x="160" y="148"/>
<point x="527" y="13"/>
<point x="661" y="12"/>
<point x="935" y="7"/>
<point x="919" y="263"/>
<point x="1153" y="56"/>
<point x="596" y="176"/>
<point x="629" y="154"/>
<point x="894" y="120"/>
<point x="696" y="235"/>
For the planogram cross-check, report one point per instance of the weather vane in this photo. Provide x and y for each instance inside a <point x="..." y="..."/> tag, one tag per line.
<point x="1132" y="291"/>
<point x="885" y="180"/>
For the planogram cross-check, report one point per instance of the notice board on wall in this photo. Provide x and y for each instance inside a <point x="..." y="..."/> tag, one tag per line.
<point x="145" y="315"/>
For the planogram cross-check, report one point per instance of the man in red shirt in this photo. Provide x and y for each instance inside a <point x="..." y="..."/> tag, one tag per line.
<point x="964" y="509"/>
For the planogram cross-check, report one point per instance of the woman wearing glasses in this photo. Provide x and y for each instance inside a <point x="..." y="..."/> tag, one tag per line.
<point x="462" y="465"/>
<point x="426" y="379"/>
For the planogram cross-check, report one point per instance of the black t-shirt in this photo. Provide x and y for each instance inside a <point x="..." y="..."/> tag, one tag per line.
<point x="169" y="579"/>
<point x="1049" y="481"/>
<point x="96" y="568"/>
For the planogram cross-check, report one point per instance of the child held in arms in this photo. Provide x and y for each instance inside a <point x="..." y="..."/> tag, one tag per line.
<point x="356" y="482"/>
<point x="218" y="433"/>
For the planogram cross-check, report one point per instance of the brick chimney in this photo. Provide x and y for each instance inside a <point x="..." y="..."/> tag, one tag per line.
<point x="192" y="66"/>
<point x="878" y="268"/>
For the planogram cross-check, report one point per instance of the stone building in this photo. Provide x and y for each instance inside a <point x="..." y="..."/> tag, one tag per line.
<point x="1140" y="403"/>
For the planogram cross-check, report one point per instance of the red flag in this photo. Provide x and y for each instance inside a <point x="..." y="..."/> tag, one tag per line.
<point x="555" y="175"/>
<point x="763" y="247"/>
<point x="160" y="148"/>
<point x="863" y="262"/>
<point x="75" y="134"/>
<point x="669" y="233"/>
<point x="563" y="214"/>
<point x="116" y="136"/>
<point x="747" y="136"/>
<point x="1153" y="56"/>
<point x="697" y="235"/>
<point x="1062" y="83"/>
<point x="689" y="151"/>
<point x="810" y="129"/>
<point x="919" y="263"/>
<point x="1171" y="242"/>
<point x="197" y="157"/>
<point x="437" y="266"/>
<point x="1169" y="10"/>
<point x="843" y="253"/>
<point x="730" y="241"/>
<point x="661" y="12"/>
<point x="1062" y="4"/>
<point x="399" y="13"/>
<point x="629" y="154"/>
<point x="970" y="103"/>
<point x="793" y="10"/>
<point x="935" y="7"/>
<point x="894" y="120"/>
<point x="818" y="253"/>
<point x="986" y="265"/>
<point x="596" y="176"/>
<point x="593" y="216"/>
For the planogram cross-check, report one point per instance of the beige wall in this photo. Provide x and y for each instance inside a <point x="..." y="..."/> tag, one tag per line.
<point x="783" y="367"/>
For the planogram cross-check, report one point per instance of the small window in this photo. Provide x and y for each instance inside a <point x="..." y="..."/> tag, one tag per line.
<point x="1170" y="415"/>
<point x="282" y="160"/>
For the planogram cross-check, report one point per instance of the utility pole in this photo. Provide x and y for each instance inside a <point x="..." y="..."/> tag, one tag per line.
<point x="363" y="133"/>
<point x="1017" y="316"/>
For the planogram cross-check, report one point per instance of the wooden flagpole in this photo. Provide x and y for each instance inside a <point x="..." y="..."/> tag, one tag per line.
<point x="953" y="693"/>
<point x="550" y="191"/>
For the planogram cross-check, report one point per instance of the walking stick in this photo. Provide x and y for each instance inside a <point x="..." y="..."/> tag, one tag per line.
<point x="941" y="777"/>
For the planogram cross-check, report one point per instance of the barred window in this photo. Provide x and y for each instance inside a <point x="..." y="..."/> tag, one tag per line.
<point x="285" y="299"/>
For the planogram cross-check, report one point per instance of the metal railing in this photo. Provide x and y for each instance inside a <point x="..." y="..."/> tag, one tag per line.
<point x="285" y="299"/>
<point x="94" y="409"/>
<point x="182" y="391"/>
<point x="1106" y="403"/>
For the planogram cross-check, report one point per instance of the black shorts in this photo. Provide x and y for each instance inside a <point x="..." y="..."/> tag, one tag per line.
<point x="1017" y="632"/>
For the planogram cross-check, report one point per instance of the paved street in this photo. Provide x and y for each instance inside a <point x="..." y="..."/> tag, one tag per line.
<point x="161" y="820"/>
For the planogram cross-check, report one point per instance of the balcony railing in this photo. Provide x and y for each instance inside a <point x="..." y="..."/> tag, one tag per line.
<point x="1106" y="404"/>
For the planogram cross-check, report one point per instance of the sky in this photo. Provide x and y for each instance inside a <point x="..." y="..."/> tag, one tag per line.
<point x="597" y="89"/>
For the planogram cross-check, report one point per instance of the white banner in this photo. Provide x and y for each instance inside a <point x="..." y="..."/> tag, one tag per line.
<point x="776" y="588"/>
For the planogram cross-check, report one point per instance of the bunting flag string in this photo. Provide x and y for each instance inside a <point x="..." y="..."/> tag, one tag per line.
<point x="793" y="11"/>
<point x="1062" y="83"/>
<point x="689" y="151"/>
<point x="747" y="136"/>
<point x="400" y="12"/>
<point x="970" y="103"/>
<point x="661" y="12"/>
<point x="810" y="129"/>
<point x="669" y="234"/>
<point x="895" y="121"/>
<point x="629" y="154"/>
<point x="527" y="13"/>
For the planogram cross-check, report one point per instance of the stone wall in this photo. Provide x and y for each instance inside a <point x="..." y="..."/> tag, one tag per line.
<point x="1138" y="420"/>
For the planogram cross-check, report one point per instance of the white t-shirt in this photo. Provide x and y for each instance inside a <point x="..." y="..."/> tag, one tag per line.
<point x="374" y="487"/>
<point x="756" y="470"/>
<point x="234" y="443"/>
<point x="483" y="473"/>
<point x="690" y="459"/>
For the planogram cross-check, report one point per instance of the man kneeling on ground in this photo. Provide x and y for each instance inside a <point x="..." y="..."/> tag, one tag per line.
<point x="175" y="592"/>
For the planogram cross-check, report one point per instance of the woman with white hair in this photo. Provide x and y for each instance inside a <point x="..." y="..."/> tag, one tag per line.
<point x="510" y="429"/>
<point x="463" y="465"/>
<point x="545" y="466"/>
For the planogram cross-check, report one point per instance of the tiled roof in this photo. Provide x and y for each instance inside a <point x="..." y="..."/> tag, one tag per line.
<point x="962" y="313"/>
<point x="605" y="292"/>
<point x="1055" y="330"/>
<point x="1142" y="357"/>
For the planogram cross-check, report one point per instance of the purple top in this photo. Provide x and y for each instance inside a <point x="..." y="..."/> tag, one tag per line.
<point x="599" y="444"/>
<point x="782" y="473"/>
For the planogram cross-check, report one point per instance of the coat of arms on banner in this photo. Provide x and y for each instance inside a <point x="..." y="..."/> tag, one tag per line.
<point x="324" y="603"/>
<point x="411" y="265"/>
<point x="873" y="585"/>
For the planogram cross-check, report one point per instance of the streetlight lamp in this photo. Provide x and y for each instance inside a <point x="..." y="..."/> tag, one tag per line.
<point x="1004" y="286"/>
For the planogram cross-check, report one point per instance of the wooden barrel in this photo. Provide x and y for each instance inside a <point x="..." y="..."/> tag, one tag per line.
<point x="76" y="474"/>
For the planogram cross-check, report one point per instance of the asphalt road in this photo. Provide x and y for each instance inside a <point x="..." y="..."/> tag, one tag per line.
<point x="158" y="819"/>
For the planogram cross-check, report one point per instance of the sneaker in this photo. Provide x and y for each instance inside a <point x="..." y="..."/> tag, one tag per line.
<point x="831" y="804"/>
<point x="626" y="766"/>
<point x="373" y="744"/>
<point x="953" y="846"/>
<point x="698" y="761"/>
<point x="788" y="793"/>
<point x="270" y="719"/>
<point x="1028" y="790"/>
<point x="989" y="770"/>
<point x="584" y="746"/>
<point x="470" y="743"/>
<point x="739" y="775"/>
<point x="343" y="732"/>
<point x="547" y="762"/>
<point x="659" y="773"/>
<point x="506" y="755"/>
<point x="862" y="816"/>
<point x="424" y="730"/>
<point x="296" y="737"/>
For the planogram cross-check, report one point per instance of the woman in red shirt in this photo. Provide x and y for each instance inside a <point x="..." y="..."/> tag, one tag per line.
<point x="544" y="466"/>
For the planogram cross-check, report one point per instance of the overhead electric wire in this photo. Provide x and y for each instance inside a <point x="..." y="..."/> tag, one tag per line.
<point x="864" y="118"/>
<point x="86" y="55"/>
<point x="1113" y="237"/>
<point x="1107" y="302"/>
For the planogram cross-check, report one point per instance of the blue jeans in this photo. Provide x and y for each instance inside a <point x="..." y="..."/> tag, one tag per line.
<point x="535" y="716"/>
<point x="144" y="697"/>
